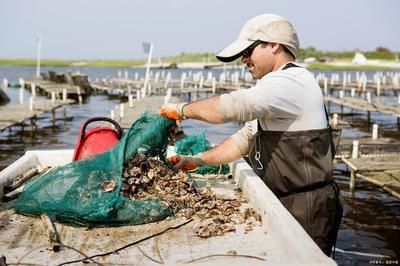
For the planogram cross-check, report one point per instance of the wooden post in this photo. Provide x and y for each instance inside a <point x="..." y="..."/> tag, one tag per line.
<point x="21" y="95"/>
<point x="369" y="117"/>
<point x="121" y="111"/>
<point x="214" y="85"/>
<point x="33" y="90"/>
<point x="368" y="97"/>
<point x="378" y="86"/>
<point x="195" y="93"/>
<point x="53" y="117"/>
<point x="130" y="100"/>
<point x="354" y="152"/>
<point x="64" y="108"/>
<point x="375" y="131"/>
<point x="335" y="120"/>
<point x="31" y="107"/>
<point x="353" y="180"/>
<point x="5" y="84"/>
<point x="53" y="97"/>
<point x="64" y="95"/>
<point x="78" y="91"/>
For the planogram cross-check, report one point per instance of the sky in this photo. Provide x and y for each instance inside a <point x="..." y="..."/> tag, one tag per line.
<point x="115" y="29"/>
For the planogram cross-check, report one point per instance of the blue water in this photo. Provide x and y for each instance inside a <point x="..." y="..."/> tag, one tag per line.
<point x="371" y="221"/>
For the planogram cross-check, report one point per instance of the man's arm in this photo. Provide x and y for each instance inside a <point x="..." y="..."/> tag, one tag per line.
<point x="206" y="110"/>
<point x="225" y="152"/>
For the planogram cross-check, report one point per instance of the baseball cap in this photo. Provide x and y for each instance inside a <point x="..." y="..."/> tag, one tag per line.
<point x="267" y="28"/>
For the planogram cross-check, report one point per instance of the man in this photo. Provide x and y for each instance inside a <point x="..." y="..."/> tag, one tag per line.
<point x="286" y="139"/>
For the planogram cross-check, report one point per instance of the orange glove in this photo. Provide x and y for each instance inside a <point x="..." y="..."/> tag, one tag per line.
<point x="173" y="111"/>
<point x="186" y="163"/>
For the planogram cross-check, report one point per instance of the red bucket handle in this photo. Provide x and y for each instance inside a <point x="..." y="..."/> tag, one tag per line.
<point x="94" y="119"/>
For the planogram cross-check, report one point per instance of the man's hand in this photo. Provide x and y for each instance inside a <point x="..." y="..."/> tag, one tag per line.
<point x="187" y="163"/>
<point x="173" y="111"/>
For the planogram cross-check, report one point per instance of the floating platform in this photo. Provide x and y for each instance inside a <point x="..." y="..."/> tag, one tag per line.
<point x="17" y="114"/>
<point x="382" y="171"/>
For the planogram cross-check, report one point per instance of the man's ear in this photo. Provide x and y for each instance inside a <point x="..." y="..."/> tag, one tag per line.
<point x="276" y="47"/>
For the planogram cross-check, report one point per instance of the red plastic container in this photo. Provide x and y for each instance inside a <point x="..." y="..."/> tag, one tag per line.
<point x="97" y="140"/>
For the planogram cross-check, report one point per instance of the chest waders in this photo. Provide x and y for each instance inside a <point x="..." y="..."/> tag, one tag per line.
<point x="297" y="166"/>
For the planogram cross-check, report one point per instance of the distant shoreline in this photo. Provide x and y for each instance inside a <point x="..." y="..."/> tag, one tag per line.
<point x="333" y="65"/>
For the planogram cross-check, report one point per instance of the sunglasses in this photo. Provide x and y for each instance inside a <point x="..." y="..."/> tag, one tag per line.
<point x="249" y="50"/>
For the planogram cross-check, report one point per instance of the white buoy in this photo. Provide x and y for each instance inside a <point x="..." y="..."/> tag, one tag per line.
<point x="375" y="131"/>
<point x="21" y="95"/>
<point x="119" y="74"/>
<point x="130" y="100"/>
<point x="121" y="110"/>
<point x="126" y="74"/>
<point x="335" y="120"/>
<point x="136" y="75"/>
<point x="64" y="95"/>
<point x="354" y="153"/>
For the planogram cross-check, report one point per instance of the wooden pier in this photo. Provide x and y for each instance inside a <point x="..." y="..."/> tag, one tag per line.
<point x="365" y="105"/>
<point x="17" y="114"/>
<point x="158" y="85"/>
<point x="382" y="171"/>
<point x="367" y="146"/>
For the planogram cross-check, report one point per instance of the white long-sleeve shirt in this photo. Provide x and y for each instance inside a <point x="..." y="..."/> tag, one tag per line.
<point x="283" y="100"/>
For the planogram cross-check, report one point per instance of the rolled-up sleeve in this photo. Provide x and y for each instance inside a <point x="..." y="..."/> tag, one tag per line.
<point x="245" y="137"/>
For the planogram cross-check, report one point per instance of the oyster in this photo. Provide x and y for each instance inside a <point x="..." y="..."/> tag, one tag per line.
<point x="145" y="178"/>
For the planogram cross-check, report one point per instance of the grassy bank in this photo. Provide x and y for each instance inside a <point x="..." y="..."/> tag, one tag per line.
<point x="327" y="66"/>
<point x="334" y="64"/>
<point x="71" y="63"/>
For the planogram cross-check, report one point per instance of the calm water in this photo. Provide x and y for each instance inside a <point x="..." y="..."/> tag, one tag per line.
<point x="371" y="221"/>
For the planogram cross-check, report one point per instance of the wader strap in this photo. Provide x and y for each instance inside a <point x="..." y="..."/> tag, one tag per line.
<point x="333" y="148"/>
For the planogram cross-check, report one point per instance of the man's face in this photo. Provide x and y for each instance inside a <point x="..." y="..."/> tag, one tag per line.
<point x="260" y="60"/>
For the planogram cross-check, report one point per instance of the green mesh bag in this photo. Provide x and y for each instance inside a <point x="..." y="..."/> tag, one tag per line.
<point x="194" y="144"/>
<point x="72" y="193"/>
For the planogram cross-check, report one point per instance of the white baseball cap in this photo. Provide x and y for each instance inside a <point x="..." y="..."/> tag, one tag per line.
<point x="266" y="28"/>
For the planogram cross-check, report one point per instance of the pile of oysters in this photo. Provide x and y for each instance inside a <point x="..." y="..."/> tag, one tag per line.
<point x="145" y="177"/>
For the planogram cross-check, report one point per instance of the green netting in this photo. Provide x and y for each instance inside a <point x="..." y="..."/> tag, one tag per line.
<point x="73" y="194"/>
<point x="194" y="144"/>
